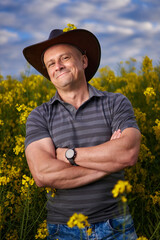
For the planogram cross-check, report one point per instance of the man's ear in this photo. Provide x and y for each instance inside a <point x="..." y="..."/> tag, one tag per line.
<point x="85" y="61"/>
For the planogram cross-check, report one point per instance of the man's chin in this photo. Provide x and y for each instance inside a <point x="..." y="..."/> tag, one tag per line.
<point x="64" y="83"/>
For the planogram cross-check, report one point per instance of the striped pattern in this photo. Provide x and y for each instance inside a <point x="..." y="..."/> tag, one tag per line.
<point x="92" y="124"/>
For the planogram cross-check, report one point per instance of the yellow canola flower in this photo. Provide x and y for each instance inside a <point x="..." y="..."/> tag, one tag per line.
<point x="69" y="28"/>
<point x="53" y="191"/>
<point x="26" y="183"/>
<point x="19" y="148"/>
<point x="11" y="196"/>
<point x="89" y="231"/>
<point x="157" y="129"/>
<point x="1" y="122"/>
<point x="25" y="110"/>
<point x="27" y="180"/>
<point x="147" y="64"/>
<point x="4" y="180"/>
<point x="78" y="220"/>
<point x="156" y="198"/>
<point x="120" y="188"/>
<point x="142" y="238"/>
<point x="157" y="122"/>
<point x="149" y="92"/>
<point x="124" y="199"/>
<point x="42" y="231"/>
<point x="13" y="235"/>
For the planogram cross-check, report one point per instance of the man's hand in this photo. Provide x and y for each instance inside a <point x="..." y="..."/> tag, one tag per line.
<point x="60" y="152"/>
<point x="116" y="134"/>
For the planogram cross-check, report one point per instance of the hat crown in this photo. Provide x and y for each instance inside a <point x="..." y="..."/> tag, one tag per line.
<point x="55" y="33"/>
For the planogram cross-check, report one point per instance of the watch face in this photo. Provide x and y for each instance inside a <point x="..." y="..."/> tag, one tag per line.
<point x="70" y="153"/>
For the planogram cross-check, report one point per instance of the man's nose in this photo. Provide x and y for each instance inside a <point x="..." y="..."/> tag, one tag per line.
<point x="59" y="66"/>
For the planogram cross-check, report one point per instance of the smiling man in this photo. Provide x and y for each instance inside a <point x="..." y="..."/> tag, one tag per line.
<point x="81" y="140"/>
<point x="66" y="65"/>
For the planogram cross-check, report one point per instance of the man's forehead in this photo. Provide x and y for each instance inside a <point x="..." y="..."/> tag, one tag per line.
<point x="63" y="46"/>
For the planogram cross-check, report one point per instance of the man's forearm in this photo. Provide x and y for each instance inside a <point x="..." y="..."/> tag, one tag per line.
<point x="110" y="156"/>
<point x="73" y="177"/>
<point x="67" y="176"/>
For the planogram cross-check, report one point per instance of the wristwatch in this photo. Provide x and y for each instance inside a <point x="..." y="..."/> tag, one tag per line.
<point x="70" y="154"/>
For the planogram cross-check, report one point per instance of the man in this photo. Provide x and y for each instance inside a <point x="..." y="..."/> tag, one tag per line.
<point x="81" y="140"/>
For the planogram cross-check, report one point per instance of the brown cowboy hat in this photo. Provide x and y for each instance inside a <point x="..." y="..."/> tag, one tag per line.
<point x="84" y="40"/>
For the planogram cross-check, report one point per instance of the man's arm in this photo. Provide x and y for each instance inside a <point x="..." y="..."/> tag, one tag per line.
<point x="48" y="171"/>
<point x="111" y="156"/>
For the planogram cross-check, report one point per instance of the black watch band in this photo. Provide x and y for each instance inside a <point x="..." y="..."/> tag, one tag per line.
<point x="72" y="162"/>
<point x="70" y="154"/>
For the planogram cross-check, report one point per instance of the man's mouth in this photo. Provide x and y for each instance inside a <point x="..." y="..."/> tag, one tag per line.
<point x="62" y="73"/>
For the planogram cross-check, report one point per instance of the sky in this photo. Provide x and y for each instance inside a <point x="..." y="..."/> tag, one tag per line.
<point x="124" y="28"/>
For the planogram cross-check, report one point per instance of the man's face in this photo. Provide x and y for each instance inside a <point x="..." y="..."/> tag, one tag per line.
<point x="65" y="65"/>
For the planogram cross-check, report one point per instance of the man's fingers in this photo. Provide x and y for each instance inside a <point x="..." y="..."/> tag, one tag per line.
<point x="116" y="134"/>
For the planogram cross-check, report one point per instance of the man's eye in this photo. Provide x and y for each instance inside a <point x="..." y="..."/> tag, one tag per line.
<point x="65" y="57"/>
<point x="51" y="64"/>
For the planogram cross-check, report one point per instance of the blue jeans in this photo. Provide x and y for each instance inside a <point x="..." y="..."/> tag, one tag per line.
<point x="120" y="228"/>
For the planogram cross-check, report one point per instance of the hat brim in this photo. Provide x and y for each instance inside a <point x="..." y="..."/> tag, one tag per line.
<point x="80" y="38"/>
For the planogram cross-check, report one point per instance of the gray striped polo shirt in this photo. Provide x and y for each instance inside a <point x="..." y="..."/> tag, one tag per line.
<point x="91" y="124"/>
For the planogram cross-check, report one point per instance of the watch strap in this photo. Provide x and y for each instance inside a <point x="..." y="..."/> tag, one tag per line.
<point x="72" y="162"/>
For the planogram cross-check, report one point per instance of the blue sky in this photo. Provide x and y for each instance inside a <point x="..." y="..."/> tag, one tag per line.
<point x="125" y="28"/>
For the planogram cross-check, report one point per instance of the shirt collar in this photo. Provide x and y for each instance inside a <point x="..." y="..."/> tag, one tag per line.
<point x="55" y="98"/>
<point x="93" y="92"/>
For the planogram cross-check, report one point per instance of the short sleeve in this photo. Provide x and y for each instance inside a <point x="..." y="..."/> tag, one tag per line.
<point x="123" y="114"/>
<point x="36" y="127"/>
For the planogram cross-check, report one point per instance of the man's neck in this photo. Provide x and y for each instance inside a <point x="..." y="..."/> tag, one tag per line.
<point x="75" y="97"/>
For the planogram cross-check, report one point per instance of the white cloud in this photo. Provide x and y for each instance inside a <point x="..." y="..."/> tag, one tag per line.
<point x="82" y="10"/>
<point x="107" y="29"/>
<point x="41" y="7"/>
<point x="142" y="26"/>
<point x="7" y="19"/>
<point x="115" y="4"/>
<point x="7" y="36"/>
<point x="7" y="3"/>
<point x="101" y="10"/>
<point x="118" y="29"/>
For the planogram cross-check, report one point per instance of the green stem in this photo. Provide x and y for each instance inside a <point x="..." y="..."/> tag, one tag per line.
<point x="27" y="213"/>
<point x="124" y="209"/>
<point x="21" y="234"/>
<point x="36" y="220"/>
<point x="80" y="234"/>
<point x="158" y="226"/>
<point x="23" y="218"/>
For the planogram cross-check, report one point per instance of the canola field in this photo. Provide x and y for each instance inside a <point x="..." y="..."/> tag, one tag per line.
<point x="22" y="204"/>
